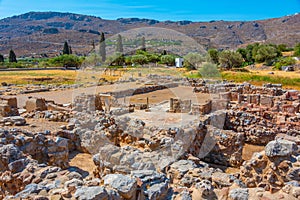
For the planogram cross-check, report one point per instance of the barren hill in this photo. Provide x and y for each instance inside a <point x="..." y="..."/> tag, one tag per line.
<point x="38" y="33"/>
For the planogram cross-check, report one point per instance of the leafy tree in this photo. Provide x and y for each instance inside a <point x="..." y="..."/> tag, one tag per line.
<point x="139" y="59"/>
<point x="194" y="59"/>
<point x="285" y="62"/>
<point x="1" y="58"/>
<point x="119" y="44"/>
<point x="282" y="47"/>
<point x="143" y="44"/>
<point x="66" y="49"/>
<point x="102" y="50"/>
<point x="249" y="55"/>
<point x="265" y="53"/>
<point x="128" y="60"/>
<point x="209" y="70"/>
<point x="67" y="61"/>
<point x="12" y="56"/>
<point x="92" y="60"/>
<point x="168" y="60"/>
<point x="230" y="59"/>
<point x="243" y="53"/>
<point x="153" y="58"/>
<point x="297" y="50"/>
<point x="213" y="56"/>
<point x="117" y="59"/>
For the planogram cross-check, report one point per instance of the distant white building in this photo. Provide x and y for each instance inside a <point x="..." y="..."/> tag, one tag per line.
<point x="179" y="62"/>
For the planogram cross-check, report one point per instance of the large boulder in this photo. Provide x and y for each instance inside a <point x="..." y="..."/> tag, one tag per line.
<point x="239" y="194"/>
<point x="152" y="184"/>
<point x="280" y="148"/>
<point x="125" y="185"/>
<point x="8" y="154"/>
<point x="91" y="193"/>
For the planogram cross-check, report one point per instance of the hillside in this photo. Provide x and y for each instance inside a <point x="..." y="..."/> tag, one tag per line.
<point x="38" y="33"/>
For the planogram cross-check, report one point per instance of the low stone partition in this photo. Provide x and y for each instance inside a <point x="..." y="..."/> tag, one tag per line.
<point x="142" y="90"/>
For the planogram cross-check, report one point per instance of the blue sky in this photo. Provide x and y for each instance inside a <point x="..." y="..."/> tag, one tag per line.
<point x="194" y="10"/>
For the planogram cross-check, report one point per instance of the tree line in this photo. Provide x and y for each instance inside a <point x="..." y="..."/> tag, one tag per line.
<point x="269" y="54"/>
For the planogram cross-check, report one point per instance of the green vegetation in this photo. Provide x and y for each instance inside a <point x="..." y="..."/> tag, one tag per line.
<point x="259" y="79"/>
<point x="1" y="58"/>
<point x="297" y="50"/>
<point x="67" y="49"/>
<point x="119" y="44"/>
<point x="193" y="60"/>
<point x="118" y="59"/>
<point x="213" y="56"/>
<point x="12" y="58"/>
<point x="286" y="61"/>
<point x="230" y="59"/>
<point x="209" y="70"/>
<point x="168" y="60"/>
<point x="143" y="44"/>
<point x="139" y="59"/>
<point x="102" y="50"/>
<point x="66" y="61"/>
<point x="265" y="53"/>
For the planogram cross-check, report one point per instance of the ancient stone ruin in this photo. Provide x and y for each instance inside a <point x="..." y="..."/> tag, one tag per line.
<point x="207" y="156"/>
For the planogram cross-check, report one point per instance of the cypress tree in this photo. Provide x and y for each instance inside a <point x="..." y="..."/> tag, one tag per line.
<point x="1" y="58"/>
<point x="102" y="49"/>
<point x="66" y="49"/>
<point x="119" y="44"/>
<point x="70" y="50"/>
<point x="93" y="47"/>
<point x="12" y="56"/>
<point x="143" y="44"/>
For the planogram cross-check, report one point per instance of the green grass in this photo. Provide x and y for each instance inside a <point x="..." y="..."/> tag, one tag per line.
<point x="261" y="79"/>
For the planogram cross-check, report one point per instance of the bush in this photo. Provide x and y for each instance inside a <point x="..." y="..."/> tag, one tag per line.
<point x="139" y="59"/>
<point x="265" y="53"/>
<point x="209" y="70"/>
<point x="297" y="50"/>
<point x="284" y="62"/>
<point x="168" y="60"/>
<point x="67" y="61"/>
<point x="213" y="56"/>
<point x="193" y="60"/>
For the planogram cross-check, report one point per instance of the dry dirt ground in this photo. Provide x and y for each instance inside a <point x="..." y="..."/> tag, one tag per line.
<point x="66" y="96"/>
<point x="40" y="125"/>
<point x="82" y="162"/>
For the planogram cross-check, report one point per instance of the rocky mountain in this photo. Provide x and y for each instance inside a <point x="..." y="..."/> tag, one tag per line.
<point x="36" y="33"/>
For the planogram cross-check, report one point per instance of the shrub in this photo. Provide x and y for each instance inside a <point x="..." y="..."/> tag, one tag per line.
<point x="284" y="62"/>
<point x="139" y="59"/>
<point x="297" y="50"/>
<point x="168" y="60"/>
<point x="67" y="61"/>
<point x="209" y="70"/>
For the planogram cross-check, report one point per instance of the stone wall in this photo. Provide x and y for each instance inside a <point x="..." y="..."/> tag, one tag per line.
<point x="8" y="106"/>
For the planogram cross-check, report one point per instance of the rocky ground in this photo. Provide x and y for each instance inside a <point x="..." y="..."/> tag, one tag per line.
<point x="245" y="147"/>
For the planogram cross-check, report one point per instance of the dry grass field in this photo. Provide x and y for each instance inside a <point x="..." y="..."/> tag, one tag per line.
<point x="57" y="77"/>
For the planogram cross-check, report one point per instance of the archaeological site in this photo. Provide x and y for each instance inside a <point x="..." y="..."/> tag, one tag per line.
<point x="150" y="138"/>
